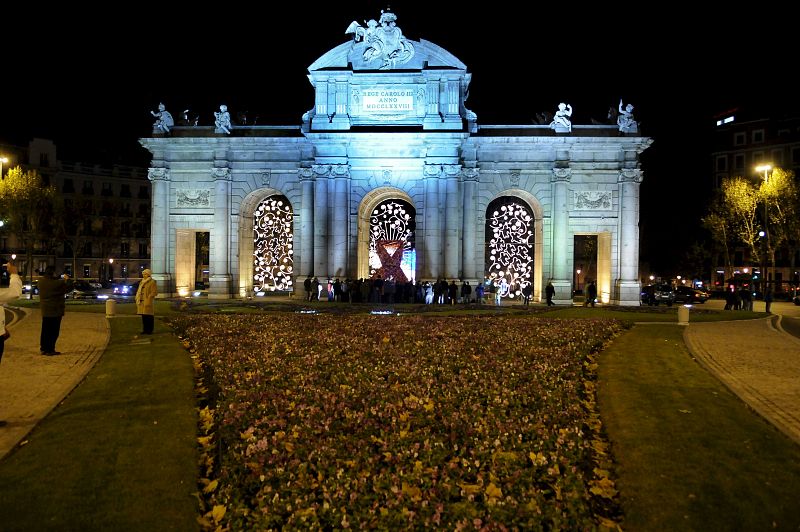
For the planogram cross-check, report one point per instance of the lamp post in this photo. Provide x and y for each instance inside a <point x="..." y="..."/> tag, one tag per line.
<point x="3" y="160"/>
<point x="110" y="270"/>
<point x="766" y="168"/>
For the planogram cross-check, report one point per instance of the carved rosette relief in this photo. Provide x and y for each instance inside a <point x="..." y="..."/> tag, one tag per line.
<point x="562" y="174"/>
<point x="514" y="178"/>
<point x="305" y="174"/>
<point x="194" y="197"/>
<point x="266" y="177"/>
<point x="158" y="174"/>
<point x="631" y="175"/>
<point x="592" y="200"/>
<point x="222" y="174"/>
<point x="387" y="176"/>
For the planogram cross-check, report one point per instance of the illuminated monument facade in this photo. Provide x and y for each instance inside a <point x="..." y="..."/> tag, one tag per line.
<point x="391" y="175"/>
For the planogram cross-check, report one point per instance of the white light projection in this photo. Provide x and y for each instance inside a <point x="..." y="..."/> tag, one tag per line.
<point x="272" y="245"/>
<point x="509" y="232"/>
<point x="393" y="220"/>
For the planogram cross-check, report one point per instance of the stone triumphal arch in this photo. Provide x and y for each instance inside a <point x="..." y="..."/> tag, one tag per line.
<point x="390" y="172"/>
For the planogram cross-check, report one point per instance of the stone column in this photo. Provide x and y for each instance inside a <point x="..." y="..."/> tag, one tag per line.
<point x="470" y="184"/>
<point x="627" y="289"/>
<point x="219" y="274"/>
<point x="452" y="218"/>
<point x="561" y="263"/>
<point x="432" y="240"/>
<point x="337" y="259"/>
<point x="160" y="229"/>
<point x="306" y="224"/>
<point x="321" y="231"/>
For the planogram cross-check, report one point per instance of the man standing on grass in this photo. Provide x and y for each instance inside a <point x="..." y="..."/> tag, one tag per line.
<point x="13" y="291"/>
<point x="145" y="296"/>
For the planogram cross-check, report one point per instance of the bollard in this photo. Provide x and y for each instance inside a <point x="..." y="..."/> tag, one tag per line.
<point x="111" y="308"/>
<point x="683" y="315"/>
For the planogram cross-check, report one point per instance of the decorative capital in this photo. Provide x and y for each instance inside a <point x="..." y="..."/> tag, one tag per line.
<point x="432" y="170"/>
<point x="223" y="174"/>
<point x="305" y="174"/>
<point x="266" y="177"/>
<point x="340" y="170"/>
<point x="158" y="174"/>
<point x="470" y="174"/>
<point x="630" y="175"/>
<point x="321" y="169"/>
<point x="451" y="170"/>
<point x="562" y="174"/>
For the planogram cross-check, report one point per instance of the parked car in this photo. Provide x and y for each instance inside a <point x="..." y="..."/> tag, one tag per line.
<point x="687" y="294"/>
<point x="654" y="294"/>
<point x="30" y="287"/>
<point x="126" y="289"/>
<point x="82" y="290"/>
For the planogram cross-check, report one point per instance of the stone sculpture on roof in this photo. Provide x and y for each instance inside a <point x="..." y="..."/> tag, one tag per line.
<point x="163" y="121"/>
<point x="382" y="43"/>
<point x="625" y="119"/>
<point x="561" y="121"/>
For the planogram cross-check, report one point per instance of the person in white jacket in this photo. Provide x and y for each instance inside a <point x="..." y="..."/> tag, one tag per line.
<point x="13" y="291"/>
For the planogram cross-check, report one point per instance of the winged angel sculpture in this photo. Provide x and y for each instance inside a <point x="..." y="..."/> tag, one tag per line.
<point x="382" y="41"/>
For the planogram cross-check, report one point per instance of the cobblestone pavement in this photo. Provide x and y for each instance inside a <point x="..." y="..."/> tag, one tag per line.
<point x="758" y="361"/>
<point x="31" y="384"/>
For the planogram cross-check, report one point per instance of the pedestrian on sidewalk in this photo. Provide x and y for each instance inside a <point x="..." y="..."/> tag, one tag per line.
<point x="52" y="291"/>
<point x="145" y="296"/>
<point x="768" y="300"/>
<point x="13" y="291"/>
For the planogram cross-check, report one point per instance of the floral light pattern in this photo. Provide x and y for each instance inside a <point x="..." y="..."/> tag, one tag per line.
<point x="509" y="252"/>
<point x="390" y="220"/>
<point x="272" y="245"/>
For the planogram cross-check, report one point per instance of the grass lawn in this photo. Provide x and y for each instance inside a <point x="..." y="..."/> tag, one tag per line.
<point x="119" y="453"/>
<point x="690" y="455"/>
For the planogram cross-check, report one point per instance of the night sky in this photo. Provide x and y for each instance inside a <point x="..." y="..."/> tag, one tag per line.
<point x="93" y="88"/>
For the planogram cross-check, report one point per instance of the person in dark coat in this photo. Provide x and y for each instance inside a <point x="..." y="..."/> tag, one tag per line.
<point x="549" y="292"/>
<point x="52" y="291"/>
<point x="591" y="294"/>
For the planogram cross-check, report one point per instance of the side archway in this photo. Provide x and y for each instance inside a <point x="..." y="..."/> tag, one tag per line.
<point x="513" y="242"/>
<point x="266" y="243"/>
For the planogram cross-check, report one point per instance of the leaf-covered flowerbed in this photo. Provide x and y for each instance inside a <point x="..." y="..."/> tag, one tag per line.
<point x="402" y="422"/>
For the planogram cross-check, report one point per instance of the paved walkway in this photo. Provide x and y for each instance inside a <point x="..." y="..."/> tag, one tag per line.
<point x="31" y="384"/>
<point x="757" y="361"/>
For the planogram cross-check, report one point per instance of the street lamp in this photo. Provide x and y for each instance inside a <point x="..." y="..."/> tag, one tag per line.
<point x="766" y="168"/>
<point x="3" y="160"/>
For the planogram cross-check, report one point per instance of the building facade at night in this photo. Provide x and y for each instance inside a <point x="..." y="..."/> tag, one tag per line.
<point x="107" y="218"/>
<point x="391" y="175"/>
<point x="743" y="140"/>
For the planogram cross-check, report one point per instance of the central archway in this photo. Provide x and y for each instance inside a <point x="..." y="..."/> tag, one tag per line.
<point x="386" y="226"/>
